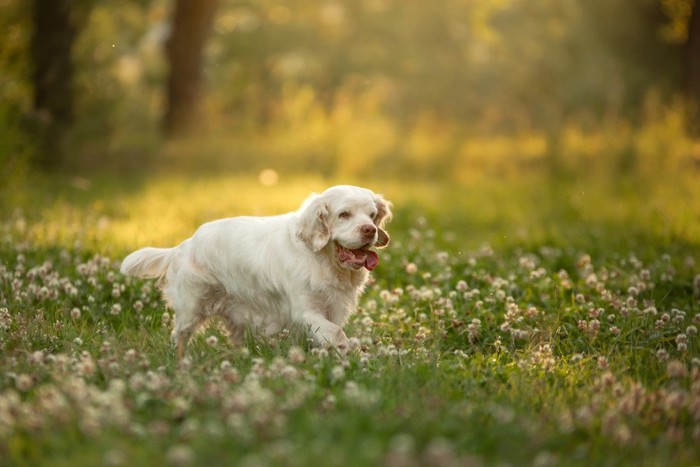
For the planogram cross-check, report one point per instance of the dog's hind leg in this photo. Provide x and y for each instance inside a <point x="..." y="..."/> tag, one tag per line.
<point x="185" y="325"/>
<point x="187" y="301"/>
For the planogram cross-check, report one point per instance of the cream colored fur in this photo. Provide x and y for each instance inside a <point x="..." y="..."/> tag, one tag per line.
<point x="266" y="273"/>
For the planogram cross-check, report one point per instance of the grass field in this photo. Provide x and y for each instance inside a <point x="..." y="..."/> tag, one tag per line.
<point x="509" y="323"/>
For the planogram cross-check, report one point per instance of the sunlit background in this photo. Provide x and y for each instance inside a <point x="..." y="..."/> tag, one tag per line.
<point x="299" y="94"/>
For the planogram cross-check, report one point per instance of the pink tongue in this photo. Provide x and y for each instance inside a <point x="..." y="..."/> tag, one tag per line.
<point x="371" y="260"/>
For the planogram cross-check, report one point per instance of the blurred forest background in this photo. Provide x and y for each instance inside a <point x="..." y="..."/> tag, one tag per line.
<point x="452" y="89"/>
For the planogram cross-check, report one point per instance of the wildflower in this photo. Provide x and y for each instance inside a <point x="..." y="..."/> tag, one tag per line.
<point x="319" y="352"/>
<point x="329" y="402"/>
<point x="462" y="286"/>
<point x="583" y="261"/>
<point x="114" y="458"/>
<point x="691" y="330"/>
<point x="86" y="365"/>
<point x="24" y="382"/>
<point x="614" y="330"/>
<point x="130" y="355"/>
<point x="116" y="309"/>
<point x="337" y="373"/>
<point x="440" y="452"/>
<point x="78" y="341"/>
<point x="662" y="354"/>
<point x="607" y="379"/>
<point x="354" y="343"/>
<point x="411" y="268"/>
<point x="602" y="363"/>
<point x="591" y="280"/>
<point x="180" y="455"/>
<point x="75" y="313"/>
<point x="212" y="341"/>
<point x="676" y="369"/>
<point x="296" y="355"/>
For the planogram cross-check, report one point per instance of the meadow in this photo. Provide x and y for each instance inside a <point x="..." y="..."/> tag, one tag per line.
<point x="518" y="321"/>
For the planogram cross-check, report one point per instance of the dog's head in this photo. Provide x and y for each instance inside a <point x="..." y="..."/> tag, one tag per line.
<point x="348" y="221"/>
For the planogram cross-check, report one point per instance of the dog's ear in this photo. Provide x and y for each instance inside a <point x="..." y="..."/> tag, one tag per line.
<point x="382" y="238"/>
<point x="313" y="226"/>
<point x="384" y="215"/>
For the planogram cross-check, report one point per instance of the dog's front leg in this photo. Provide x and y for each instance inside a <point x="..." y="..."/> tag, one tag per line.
<point x="325" y="332"/>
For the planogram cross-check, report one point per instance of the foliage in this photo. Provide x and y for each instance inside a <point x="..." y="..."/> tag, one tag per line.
<point x="351" y="84"/>
<point x="16" y="148"/>
<point x="519" y="322"/>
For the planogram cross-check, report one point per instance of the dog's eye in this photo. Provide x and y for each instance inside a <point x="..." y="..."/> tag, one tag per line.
<point x="374" y="215"/>
<point x="344" y="215"/>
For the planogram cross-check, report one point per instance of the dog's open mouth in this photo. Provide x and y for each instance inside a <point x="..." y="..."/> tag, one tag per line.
<point x="361" y="257"/>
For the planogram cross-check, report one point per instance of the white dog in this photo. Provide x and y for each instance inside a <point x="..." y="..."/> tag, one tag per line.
<point x="265" y="273"/>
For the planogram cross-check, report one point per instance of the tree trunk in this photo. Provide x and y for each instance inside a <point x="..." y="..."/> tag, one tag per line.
<point x="190" y="26"/>
<point x="55" y="30"/>
<point x="692" y="62"/>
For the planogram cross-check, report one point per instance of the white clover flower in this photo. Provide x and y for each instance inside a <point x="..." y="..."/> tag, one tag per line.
<point x="676" y="369"/>
<point x="75" y="313"/>
<point x="130" y="355"/>
<point x="296" y="355"/>
<point x="337" y="374"/>
<point x="24" y="382"/>
<point x="354" y="343"/>
<point x="411" y="268"/>
<point x="180" y="456"/>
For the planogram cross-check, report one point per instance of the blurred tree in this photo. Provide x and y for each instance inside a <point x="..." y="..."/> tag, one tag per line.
<point x="190" y="27"/>
<point x="692" y="70"/>
<point x="57" y="24"/>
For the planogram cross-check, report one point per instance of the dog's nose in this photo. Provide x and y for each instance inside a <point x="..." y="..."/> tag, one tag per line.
<point x="368" y="230"/>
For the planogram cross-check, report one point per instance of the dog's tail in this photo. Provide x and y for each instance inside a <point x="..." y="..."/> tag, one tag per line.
<point x="147" y="262"/>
